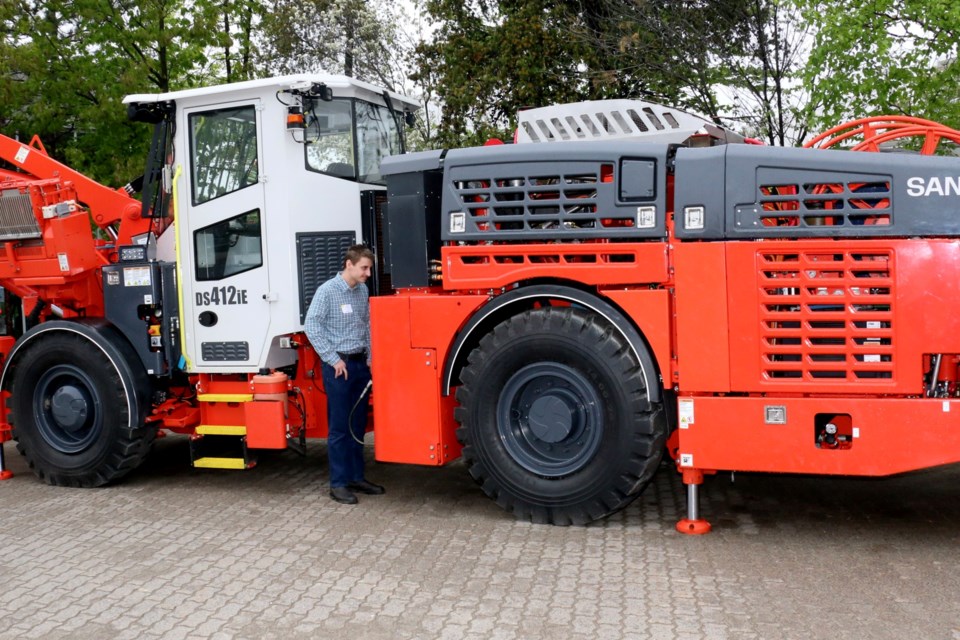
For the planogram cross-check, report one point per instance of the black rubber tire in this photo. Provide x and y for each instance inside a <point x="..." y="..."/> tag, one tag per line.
<point x="555" y="420"/>
<point x="76" y="412"/>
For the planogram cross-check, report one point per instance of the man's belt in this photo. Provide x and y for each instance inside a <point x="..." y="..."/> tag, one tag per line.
<point x="359" y="356"/>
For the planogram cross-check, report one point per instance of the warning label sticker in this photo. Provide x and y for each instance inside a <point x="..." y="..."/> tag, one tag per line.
<point x="136" y="277"/>
<point x="686" y="413"/>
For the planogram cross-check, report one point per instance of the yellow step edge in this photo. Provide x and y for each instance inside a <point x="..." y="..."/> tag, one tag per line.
<point x="219" y="463"/>
<point x="221" y="430"/>
<point x="225" y="397"/>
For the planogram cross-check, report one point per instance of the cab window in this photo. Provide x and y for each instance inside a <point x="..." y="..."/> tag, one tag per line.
<point x="377" y="138"/>
<point x="229" y="247"/>
<point x="330" y="147"/>
<point x="223" y="152"/>
<point x="349" y="138"/>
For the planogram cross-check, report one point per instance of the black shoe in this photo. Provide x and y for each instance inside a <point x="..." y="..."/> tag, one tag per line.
<point x="367" y="487"/>
<point x="343" y="495"/>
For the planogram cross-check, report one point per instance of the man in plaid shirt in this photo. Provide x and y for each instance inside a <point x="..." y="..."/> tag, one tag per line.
<point x="338" y="326"/>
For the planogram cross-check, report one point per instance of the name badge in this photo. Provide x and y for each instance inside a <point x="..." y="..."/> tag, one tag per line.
<point x="346" y="308"/>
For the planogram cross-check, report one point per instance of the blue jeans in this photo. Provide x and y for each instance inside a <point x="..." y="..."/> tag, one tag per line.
<point x="346" y="454"/>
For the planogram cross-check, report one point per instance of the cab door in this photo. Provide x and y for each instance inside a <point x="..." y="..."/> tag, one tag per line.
<point x="222" y="235"/>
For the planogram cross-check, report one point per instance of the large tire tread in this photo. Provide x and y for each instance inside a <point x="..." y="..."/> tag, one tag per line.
<point x="127" y="448"/>
<point x="648" y="424"/>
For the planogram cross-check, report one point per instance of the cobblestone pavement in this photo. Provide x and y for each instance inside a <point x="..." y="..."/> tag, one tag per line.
<point x="174" y="552"/>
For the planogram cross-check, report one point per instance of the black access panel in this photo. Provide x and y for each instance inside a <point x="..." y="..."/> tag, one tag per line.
<point x="135" y="294"/>
<point x="413" y="226"/>
<point x="320" y="256"/>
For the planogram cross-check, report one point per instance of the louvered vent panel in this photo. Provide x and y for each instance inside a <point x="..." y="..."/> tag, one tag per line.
<point x="827" y="317"/>
<point x="225" y="351"/>
<point x="319" y="258"/>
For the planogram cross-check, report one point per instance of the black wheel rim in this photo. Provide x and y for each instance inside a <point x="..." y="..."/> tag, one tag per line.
<point x="67" y="408"/>
<point x="550" y="419"/>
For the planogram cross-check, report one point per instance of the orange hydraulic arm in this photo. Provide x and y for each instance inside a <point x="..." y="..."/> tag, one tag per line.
<point x="107" y="206"/>
<point x="49" y="254"/>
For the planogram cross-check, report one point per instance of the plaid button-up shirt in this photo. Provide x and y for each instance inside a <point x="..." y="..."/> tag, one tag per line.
<point x="339" y="319"/>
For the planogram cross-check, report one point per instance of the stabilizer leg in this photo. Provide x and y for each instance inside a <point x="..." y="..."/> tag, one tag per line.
<point x="693" y="524"/>
<point x="4" y="473"/>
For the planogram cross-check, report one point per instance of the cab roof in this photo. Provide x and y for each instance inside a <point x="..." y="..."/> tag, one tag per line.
<point x="342" y="86"/>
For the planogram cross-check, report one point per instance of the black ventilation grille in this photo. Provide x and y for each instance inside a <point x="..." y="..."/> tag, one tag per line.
<point x="319" y="258"/>
<point x="536" y="201"/>
<point x="224" y="351"/>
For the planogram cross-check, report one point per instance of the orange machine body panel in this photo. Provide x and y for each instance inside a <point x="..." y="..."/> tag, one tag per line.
<point x="818" y="332"/>
<point x="310" y="405"/>
<point x="809" y="329"/>
<point x="832" y="317"/>
<point x="650" y="311"/>
<point x="592" y="263"/>
<point x="410" y="337"/>
<point x="266" y="424"/>
<point x="776" y="434"/>
<point x="702" y="317"/>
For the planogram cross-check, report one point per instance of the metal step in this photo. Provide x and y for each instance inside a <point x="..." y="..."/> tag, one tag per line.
<point x="223" y="463"/>
<point x="225" y="397"/>
<point x="221" y="430"/>
<point x="215" y="446"/>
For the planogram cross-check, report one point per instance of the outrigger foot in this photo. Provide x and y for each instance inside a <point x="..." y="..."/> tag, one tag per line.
<point x="693" y="524"/>
<point x="4" y="473"/>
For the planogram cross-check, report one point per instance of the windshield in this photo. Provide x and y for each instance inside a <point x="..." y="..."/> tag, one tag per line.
<point x="377" y="138"/>
<point x="349" y="138"/>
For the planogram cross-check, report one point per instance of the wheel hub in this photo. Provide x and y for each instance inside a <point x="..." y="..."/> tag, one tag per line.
<point x="68" y="408"/>
<point x="550" y="419"/>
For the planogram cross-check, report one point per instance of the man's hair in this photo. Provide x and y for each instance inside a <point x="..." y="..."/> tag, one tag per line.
<point x="358" y="251"/>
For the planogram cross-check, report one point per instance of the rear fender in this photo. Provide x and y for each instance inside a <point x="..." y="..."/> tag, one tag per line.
<point x="106" y="338"/>
<point x="515" y="301"/>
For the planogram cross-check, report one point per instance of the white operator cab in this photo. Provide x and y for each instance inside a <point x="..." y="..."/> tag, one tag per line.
<point x="269" y="182"/>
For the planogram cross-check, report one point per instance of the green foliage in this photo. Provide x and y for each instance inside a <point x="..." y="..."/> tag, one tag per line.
<point x="66" y="65"/>
<point x="486" y="62"/>
<point x="765" y="93"/>
<point x="671" y="51"/>
<point x="488" y="59"/>
<point x="357" y="38"/>
<point x="238" y="52"/>
<point x="872" y="57"/>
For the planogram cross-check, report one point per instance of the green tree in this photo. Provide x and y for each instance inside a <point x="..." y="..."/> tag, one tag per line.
<point x="669" y="51"/>
<point x="358" y="38"/>
<point x="240" y="21"/>
<point x="871" y="57"/>
<point x="489" y="59"/>
<point x="66" y="65"/>
<point x="762" y="78"/>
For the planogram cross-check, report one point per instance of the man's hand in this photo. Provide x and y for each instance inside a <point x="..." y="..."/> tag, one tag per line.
<point x="340" y="368"/>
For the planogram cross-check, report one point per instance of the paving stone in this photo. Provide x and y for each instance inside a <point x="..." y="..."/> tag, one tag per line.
<point x="173" y="552"/>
